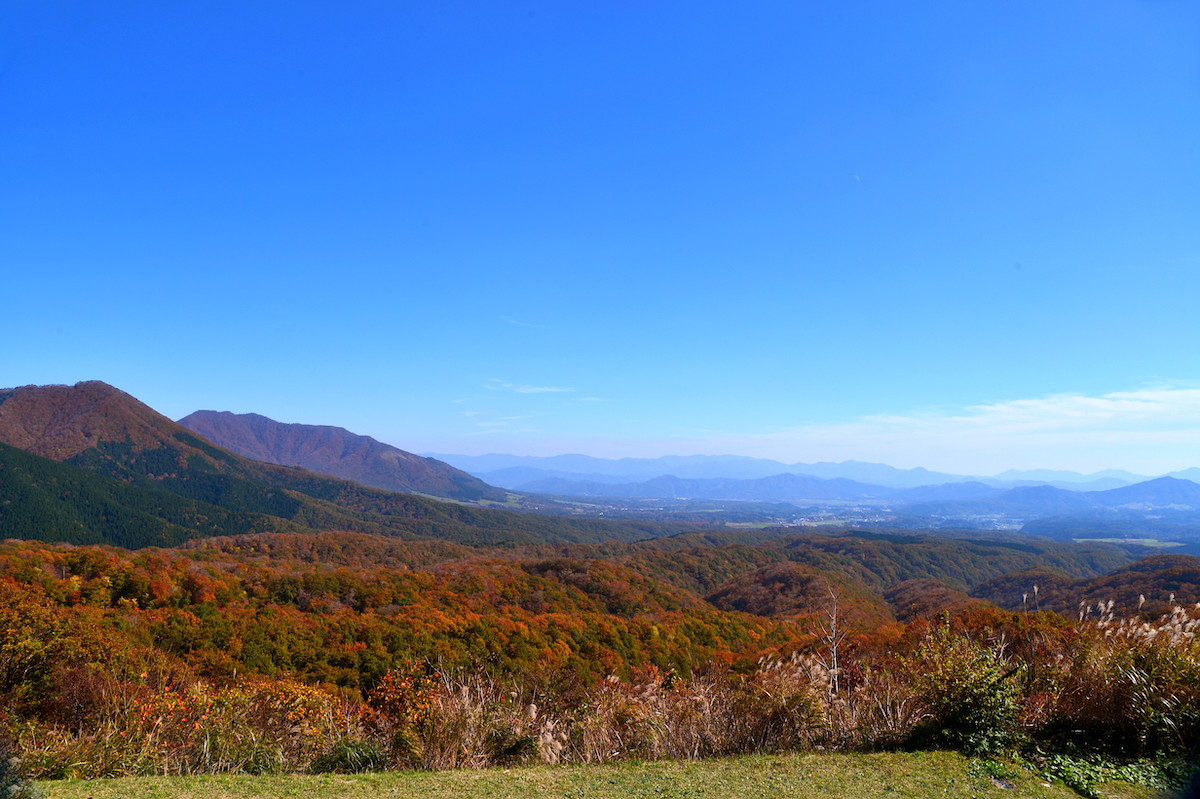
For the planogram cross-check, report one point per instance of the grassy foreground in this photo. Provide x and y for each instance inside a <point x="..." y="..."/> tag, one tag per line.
<point x="848" y="776"/>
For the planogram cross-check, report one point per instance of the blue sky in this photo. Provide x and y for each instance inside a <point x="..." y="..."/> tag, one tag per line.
<point x="964" y="236"/>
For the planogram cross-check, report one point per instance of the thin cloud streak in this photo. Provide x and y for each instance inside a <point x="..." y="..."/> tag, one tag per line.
<point x="1149" y="431"/>
<point x="1152" y="430"/>
<point x="520" y="388"/>
<point x="519" y="323"/>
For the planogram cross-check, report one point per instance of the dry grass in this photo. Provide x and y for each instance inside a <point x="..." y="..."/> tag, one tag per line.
<point x="1100" y="688"/>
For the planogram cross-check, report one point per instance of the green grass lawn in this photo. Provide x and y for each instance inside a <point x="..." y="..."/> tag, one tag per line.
<point x="849" y="776"/>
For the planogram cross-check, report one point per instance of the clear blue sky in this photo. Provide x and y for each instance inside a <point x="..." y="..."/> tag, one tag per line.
<point x="964" y="236"/>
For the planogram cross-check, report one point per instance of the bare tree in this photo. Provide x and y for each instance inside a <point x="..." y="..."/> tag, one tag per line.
<point x="832" y="636"/>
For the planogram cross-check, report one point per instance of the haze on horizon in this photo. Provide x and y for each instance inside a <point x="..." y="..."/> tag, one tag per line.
<point x="962" y="238"/>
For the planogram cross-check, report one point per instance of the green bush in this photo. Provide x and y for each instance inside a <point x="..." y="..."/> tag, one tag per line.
<point x="968" y="695"/>
<point x="350" y="756"/>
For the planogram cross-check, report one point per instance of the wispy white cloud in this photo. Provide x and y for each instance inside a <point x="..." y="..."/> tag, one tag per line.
<point x="1164" y="408"/>
<point x="502" y="424"/>
<point x="521" y="388"/>
<point x="1152" y="430"/>
<point x="519" y="323"/>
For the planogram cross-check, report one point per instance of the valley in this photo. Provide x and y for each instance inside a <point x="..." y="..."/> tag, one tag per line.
<point x="215" y="591"/>
<point x="572" y="399"/>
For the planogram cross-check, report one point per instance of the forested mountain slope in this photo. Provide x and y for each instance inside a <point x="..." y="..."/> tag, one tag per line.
<point x="1144" y="587"/>
<point x="89" y="463"/>
<point x="337" y="452"/>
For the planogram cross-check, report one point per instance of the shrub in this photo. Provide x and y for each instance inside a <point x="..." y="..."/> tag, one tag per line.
<point x="781" y="706"/>
<point x="1127" y="689"/>
<point x="34" y="636"/>
<point x="967" y="693"/>
<point x="349" y="756"/>
<point x="475" y="720"/>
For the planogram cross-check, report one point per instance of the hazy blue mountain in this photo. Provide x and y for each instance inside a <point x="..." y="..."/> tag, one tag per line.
<point x="875" y="473"/>
<point x="1163" y="492"/>
<point x="1020" y="502"/>
<point x="1032" y="502"/>
<point x="1014" y="494"/>
<point x="789" y="488"/>
<point x="1056" y="477"/>
<point x="562" y="486"/>
<point x="1038" y="500"/>
<point x="634" y="470"/>
<point x="1099" y="484"/>
<point x="948" y="492"/>
<point x="523" y="478"/>
<point x="514" y="471"/>
<point x="626" y="469"/>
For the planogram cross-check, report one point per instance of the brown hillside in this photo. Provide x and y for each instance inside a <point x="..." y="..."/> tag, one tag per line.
<point x="791" y="589"/>
<point x="337" y="452"/>
<point x="60" y="422"/>
<point x="1156" y="578"/>
<point x="926" y="599"/>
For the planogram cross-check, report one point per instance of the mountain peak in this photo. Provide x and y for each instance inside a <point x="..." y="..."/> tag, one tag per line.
<point x="337" y="452"/>
<point x="60" y="422"/>
<point x="1161" y="491"/>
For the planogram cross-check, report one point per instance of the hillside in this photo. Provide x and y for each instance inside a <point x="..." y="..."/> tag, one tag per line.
<point x="705" y="562"/>
<point x="193" y="659"/>
<point x="63" y="422"/>
<point x="337" y="452"/>
<point x="1157" y="579"/>
<point x="1162" y="492"/>
<point x="90" y="463"/>
<point x="42" y="499"/>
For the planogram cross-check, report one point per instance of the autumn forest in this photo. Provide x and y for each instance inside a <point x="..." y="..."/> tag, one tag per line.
<point x="168" y="606"/>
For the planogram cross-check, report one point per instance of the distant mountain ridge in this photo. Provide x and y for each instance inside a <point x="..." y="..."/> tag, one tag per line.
<point x="1163" y="492"/>
<point x="337" y="452"/>
<point x="776" y="488"/>
<point x="1096" y="502"/>
<point x="948" y="499"/>
<point x="689" y="467"/>
<point x="516" y="472"/>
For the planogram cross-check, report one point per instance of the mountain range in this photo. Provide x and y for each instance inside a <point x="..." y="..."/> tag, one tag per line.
<point x="97" y="465"/>
<point x="288" y="577"/>
<point x="962" y="499"/>
<point x="90" y="464"/>
<point x="518" y="472"/>
<point x="508" y="470"/>
<point x="339" y="453"/>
